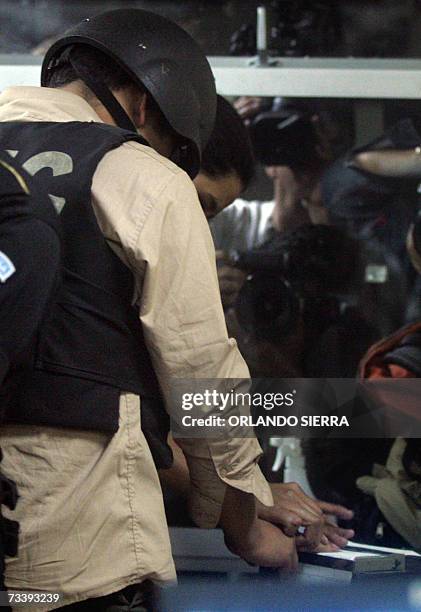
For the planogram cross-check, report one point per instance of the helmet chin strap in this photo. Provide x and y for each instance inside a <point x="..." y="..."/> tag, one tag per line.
<point x="182" y="156"/>
<point x="105" y="96"/>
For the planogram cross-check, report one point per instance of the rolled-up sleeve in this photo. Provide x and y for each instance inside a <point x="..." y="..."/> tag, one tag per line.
<point x="171" y="252"/>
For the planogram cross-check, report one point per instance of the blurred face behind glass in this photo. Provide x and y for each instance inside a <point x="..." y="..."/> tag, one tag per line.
<point x="217" y="192"/>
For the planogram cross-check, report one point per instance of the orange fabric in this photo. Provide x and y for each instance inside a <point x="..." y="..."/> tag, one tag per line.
<point x="388" y="371"/>
<point x="372" y="366"/>
<point x="388" y="391"/>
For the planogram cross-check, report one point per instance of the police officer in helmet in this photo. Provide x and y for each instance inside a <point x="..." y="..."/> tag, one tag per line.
<point x="115" y="135"/>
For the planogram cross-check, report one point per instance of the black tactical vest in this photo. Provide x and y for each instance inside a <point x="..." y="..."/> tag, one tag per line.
<point x="92" y="347"/>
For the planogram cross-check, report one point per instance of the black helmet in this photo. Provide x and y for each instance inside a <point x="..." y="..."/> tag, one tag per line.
<point x="162" y="57"/>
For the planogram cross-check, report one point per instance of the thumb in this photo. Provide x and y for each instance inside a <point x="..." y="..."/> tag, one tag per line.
<point x="367" y="484"/>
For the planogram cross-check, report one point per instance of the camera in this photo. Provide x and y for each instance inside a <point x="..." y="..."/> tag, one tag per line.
<point x="284" y="137"/>
<point x="302" y="274"/>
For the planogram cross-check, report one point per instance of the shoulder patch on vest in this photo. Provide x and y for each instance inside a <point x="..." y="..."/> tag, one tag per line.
<point x="6" y="267"/>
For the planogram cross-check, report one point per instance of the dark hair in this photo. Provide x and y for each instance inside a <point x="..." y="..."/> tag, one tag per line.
<point x="92" y="61"/>
<point x="105" y="70"/>
<point x="229" y="148"/>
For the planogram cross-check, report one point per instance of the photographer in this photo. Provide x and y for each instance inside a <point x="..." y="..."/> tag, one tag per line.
<point x="373" y="193"/>
<point x="295" y="145"/>
<point x="298" y="303"/>
<point x="305" y="144"/>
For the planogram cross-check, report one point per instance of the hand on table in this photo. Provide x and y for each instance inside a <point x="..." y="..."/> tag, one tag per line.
<point x="293" y="509"/>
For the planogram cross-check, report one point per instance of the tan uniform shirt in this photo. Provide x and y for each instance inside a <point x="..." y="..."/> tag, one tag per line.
<point x="91" y="511"/>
